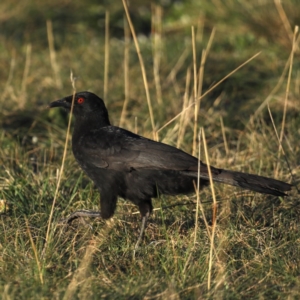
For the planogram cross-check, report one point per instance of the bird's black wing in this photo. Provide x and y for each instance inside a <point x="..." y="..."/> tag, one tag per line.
<point x="116" y="148"/>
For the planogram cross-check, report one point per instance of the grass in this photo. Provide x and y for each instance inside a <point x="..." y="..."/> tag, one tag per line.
<point x="255" y="250"/>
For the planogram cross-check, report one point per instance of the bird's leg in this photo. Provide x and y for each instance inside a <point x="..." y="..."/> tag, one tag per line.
<point x="144" y="221"/>
<point x="80" y="214"/>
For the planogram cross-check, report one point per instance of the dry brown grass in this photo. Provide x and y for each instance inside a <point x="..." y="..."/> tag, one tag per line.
<point x="230" y="245"/>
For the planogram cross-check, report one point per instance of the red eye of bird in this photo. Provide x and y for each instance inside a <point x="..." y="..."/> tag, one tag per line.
<point x="80" y="100"/>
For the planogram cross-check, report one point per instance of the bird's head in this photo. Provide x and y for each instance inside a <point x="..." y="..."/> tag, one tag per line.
<point x="86" y="106"/>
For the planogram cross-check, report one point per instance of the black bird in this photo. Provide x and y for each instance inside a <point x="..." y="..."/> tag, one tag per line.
<point x="124" y="164"/>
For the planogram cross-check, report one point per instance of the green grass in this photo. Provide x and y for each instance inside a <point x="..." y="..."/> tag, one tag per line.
<point x="256" y="244"/>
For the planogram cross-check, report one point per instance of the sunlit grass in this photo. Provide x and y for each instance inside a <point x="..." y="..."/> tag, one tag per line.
<point x="255" y="251"/>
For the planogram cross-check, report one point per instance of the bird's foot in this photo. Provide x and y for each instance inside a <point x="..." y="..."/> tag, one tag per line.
<point x="144" y="221"/>
<point x="81" y="214"/>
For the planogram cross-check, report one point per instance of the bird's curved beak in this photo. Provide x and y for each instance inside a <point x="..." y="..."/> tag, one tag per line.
<point x="60" y="103"/>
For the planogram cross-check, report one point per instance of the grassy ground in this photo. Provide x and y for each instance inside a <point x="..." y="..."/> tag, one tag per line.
<point x="254" y="251"/>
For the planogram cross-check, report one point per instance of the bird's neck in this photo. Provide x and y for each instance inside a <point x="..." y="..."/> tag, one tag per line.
<point x="90" y="122"/>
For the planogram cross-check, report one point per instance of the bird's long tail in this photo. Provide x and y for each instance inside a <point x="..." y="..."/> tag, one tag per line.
<point x="247" y="181"/>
